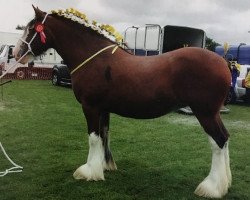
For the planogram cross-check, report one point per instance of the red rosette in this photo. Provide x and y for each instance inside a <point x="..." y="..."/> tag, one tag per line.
<point x="39" y="27"/>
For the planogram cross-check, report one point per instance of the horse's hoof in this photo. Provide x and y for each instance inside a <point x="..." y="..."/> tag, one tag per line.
<point x="88" y="173"/>
<point x="210" y="189"/>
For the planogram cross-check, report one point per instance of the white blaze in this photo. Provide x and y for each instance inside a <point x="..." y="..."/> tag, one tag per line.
<point x="17" y="49"/>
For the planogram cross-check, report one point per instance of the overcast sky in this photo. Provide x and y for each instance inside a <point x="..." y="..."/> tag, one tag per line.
<point x="222" y="20"/>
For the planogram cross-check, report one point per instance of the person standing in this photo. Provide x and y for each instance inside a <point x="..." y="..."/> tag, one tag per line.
<point x="247" y="85"/>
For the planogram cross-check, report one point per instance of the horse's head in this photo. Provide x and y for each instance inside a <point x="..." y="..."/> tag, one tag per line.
<point x="35" y="39"/>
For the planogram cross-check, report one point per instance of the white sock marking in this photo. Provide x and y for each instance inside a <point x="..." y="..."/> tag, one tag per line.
<point x="216" y="184"/>
<point x="227" y="160"/>
<point x="93" y="169"/>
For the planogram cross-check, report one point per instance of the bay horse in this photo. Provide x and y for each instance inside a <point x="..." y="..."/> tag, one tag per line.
<point x="108" y="79"/>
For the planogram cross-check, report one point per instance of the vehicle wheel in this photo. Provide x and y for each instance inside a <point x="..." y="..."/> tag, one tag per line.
<point x="55" y="78"/>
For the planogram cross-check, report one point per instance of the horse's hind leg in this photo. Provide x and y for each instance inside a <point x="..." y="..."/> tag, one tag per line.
<point x="99" y="157"/>
<point x="216" y="184"/>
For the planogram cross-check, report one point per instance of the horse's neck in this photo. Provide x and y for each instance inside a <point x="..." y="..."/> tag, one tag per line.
<point x="75" y="46"/>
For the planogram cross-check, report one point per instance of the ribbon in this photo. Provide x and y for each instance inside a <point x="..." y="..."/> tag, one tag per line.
<point x="39" y="27"/>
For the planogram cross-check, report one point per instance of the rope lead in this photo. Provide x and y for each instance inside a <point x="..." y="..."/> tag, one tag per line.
<point x="14" y="169"/>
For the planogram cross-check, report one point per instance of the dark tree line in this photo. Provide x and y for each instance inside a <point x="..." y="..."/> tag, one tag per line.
<point x="211" y="44"/>
<point x="20" y="27"/>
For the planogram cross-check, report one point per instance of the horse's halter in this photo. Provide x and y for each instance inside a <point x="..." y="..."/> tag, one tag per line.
<point x="29" y="43"/>
<point x="29" y="49"/>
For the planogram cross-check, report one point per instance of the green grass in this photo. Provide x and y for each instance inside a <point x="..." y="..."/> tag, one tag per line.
<point x="43" y="129"/>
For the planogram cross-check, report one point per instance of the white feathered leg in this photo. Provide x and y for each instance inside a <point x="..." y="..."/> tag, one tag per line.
<point x="216" y="184"/>
<point x="227" y="160"/>
<point x="93" y="169"/>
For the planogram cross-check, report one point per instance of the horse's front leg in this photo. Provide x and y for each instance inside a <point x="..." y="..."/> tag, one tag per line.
<point x="104" y="133"/>
<point x="99" y="157"/>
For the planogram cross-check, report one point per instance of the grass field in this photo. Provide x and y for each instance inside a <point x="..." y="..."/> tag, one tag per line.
<point x="42" y="128"/>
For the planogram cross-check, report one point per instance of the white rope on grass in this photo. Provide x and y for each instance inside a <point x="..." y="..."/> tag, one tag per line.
<point x="15" y="169"/>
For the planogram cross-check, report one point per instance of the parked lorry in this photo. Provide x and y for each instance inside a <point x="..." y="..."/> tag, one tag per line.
<point x="154" y="39"/>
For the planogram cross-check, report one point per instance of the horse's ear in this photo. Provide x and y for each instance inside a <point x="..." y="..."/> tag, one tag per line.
<point x="39" y="14"/>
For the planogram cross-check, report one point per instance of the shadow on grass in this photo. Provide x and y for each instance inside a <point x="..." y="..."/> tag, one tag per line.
<point x="134" y="180"/>
<point x="242" y="104"/>
<point x="140" y="181"/>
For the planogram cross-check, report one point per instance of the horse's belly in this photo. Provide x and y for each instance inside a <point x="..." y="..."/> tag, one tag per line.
<point x="140" y="111"/>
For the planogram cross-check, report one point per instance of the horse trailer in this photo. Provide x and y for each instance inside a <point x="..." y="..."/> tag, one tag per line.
<point x="154" y="39"/>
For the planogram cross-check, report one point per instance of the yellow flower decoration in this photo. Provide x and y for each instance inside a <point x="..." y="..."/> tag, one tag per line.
<point x="60" y="12"/>
<point x="118" y="37"/>
<point x="77" y="16"/>
<point x="110" y="29"/>
<point x="54" y="11"/>
<point x="238" y="66"/>
<point x="226" y="48"/>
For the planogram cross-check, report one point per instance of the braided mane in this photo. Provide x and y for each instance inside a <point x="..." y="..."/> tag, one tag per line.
<point x="106" y="30"/>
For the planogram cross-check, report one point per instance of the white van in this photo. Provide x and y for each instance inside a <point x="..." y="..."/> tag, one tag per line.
<point x="240" y="88"/>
